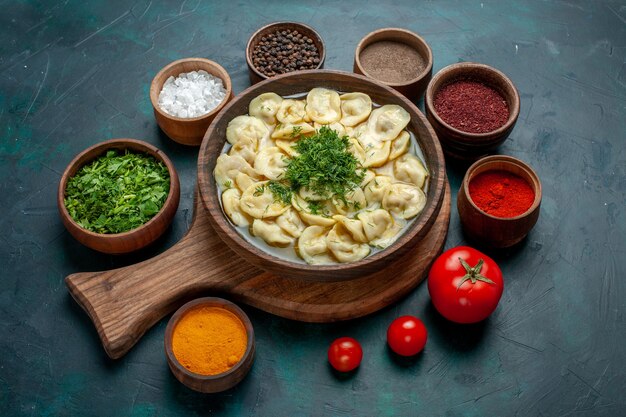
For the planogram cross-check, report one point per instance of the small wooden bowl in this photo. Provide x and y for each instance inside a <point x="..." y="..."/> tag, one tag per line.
<point x="256" y="75"/>
<point x="187" y="131"/>
<point x="498" y="232"/>
<point x="210" y="383"/>
<point x="412" y="89"/>
<point x="302" y="82"/>
<point x="133" y="239"/>
<point x="464" y="145"/>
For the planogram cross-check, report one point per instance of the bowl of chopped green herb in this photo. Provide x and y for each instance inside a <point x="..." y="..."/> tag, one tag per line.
<point x="321" y="175"/>
<point x="119" y="195"/>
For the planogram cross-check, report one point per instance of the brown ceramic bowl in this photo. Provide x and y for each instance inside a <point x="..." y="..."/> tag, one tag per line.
<point x="210" y="383"/>
<point x="413" y="89"/>
<point x="302" y="82"/>
<point x="498" y="232"/>
<point x="462" y="145"/>
<point x="187" y="131"/>
<point x="255" y="74"/>
<point x="133" y="239"/>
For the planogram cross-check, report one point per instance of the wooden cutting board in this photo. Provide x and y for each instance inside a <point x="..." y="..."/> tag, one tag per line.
<point x="124" y="303"/>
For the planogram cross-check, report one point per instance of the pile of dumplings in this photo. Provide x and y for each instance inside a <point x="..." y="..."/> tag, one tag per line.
<point x="391" y="193"/>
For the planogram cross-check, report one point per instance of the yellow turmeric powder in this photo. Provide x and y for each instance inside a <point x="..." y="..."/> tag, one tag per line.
<point x="209" y="340"/>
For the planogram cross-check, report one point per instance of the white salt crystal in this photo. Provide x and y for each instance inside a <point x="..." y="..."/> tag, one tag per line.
<point x="191" y="94"/>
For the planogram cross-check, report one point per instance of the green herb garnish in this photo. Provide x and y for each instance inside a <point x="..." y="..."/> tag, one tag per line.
<point x="281" y="191"/>
<point x="314" y="206"/>
<point x="325" y="165"/>
<point x="117" y="193"/>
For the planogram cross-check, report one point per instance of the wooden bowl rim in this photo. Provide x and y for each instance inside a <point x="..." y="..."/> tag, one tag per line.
<point x="364" y="42"/>
<point x="154" y="94"/>
<point x="507" y="160"/>
<point x="320" y="43"/>
<point x="444" y="73"/>
<point x="211" y="302"/>
<point x="224" y="224"/>
<point x="99" y="149"/>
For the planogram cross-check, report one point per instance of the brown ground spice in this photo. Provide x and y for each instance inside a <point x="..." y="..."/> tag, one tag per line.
<point x="471" y="106"/>
<point x="392" y="62"/>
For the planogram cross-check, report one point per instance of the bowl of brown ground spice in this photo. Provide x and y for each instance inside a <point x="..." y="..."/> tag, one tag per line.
<point x="395" y="57"/>
<point x="472" y="107"/>
<point x="209" y="344"/>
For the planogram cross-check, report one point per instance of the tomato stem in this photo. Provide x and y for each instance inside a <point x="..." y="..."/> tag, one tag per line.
<point x="473" y="274"/>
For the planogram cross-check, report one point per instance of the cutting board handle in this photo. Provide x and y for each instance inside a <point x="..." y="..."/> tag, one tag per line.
<point x="124" y="303"/>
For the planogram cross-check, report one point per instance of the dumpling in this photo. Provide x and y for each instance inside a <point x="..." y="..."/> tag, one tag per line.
<point x="323" y="106"/>
<point x="323" y="211"/>
<point x="345" y="249"/>
<point x="289" y="131"/>
<point x="308" y="195"/>
<point x="377" y="155"/>
<point x="379" y="227"/>
<point x="369" y="175"/>
<point x="265" y="107"/>
<point x="259" y="202"/>
<point x="355" y="148"/>
<point x="243" y="181"/>
<point x="386" y="122"/>
<point x="272" y="233"/>
<point x="292" y="112"/>
<point x="336" y="126"/>
<point x="374" y="190"/>
<point x="409" y="168"/>
<point x="246" y="127"/>
<point x="355" y="201"/>
<point x="287" y="147"/>
<point x="291" y="222"/>
<point x="270" y="162"/>
<point x="246" y="147"/>
<point x="312" y="246"/>
<point x="355" y="108"/>
<point x="354" y="226"/>
<point x="405" y="200"/>
<point x="228" y="166"/>
<point x="230" y="202"/>
<point x="400" y="145"/>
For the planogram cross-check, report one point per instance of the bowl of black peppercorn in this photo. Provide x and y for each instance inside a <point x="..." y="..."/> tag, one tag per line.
<point x="281" y="48"/>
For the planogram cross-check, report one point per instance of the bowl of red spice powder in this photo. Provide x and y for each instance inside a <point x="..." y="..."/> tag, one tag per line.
<point x="473" y="109"/>
<point x="499" y="201"/>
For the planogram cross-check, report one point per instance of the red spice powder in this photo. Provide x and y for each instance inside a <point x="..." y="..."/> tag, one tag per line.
<point x="501" y="193"/>
<point x="471" y="106"/>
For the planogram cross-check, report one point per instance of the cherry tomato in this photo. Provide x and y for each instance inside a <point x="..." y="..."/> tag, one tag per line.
<point x="407" y="335"/>
<point x="345" y="354"/>
<point x="465" y="285"/>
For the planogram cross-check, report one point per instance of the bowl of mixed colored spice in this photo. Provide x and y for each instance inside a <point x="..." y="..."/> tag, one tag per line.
<point x="499" y="200"/>
<point x="473" y="108"/>
<point x="281" y="48"/>
<point x="119" y="195"/>
<point x="209" y="344"/>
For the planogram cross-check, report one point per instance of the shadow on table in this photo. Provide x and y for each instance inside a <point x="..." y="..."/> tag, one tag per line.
<point x="458" y="337"/>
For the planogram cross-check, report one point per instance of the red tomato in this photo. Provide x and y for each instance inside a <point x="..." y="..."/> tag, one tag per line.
<point x="345" y="354"/>
<point x="465" y="285"/>
<point x="407" y="335"/>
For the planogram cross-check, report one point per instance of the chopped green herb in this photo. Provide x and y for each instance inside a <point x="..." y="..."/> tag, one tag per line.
<point x="117" y="193"/>
<point x="282" y="192"/>
<point x="314" y="206"/>
<point x="296" y="131"/>
<point x="324" y="165"/>
<point x="258" y="191"/>
<point x="228" y="184"/>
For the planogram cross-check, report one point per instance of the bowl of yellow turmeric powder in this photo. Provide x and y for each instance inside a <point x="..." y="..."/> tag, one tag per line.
<point x="209" y="344"/>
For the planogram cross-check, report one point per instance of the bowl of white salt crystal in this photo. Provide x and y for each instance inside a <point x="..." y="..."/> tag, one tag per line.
<point x="186" y="95"/>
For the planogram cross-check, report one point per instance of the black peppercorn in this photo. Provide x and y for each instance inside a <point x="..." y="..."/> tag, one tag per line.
<point x="284" y="51"/>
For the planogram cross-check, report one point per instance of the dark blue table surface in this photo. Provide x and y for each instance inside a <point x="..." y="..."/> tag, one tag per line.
<point x="74" y="73"/>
